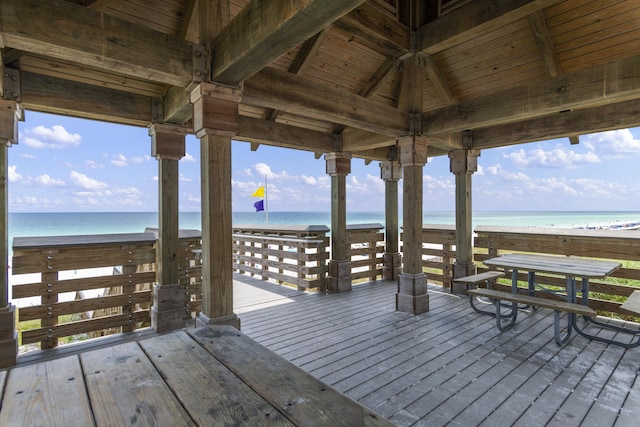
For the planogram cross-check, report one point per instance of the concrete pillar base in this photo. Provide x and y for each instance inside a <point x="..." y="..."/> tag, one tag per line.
<point x="339" y="277"/>
<point x="231" y="320"/>
<point x="8" y="337"/>
<point x="412" y="294"/>
<point x="168" y="312"/>
<point x="391" y="265"/>
<point x="462" y="270"/>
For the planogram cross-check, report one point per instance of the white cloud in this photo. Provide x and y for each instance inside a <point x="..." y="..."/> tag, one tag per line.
<point x="612" y="143"/>
<point x="185" y="178"/>
<point x="13" y="175"/>
<point x="120" y="161"/>
<point x="309" y="180"/>
<point x="559" y="158"/>
<point x="432" y="184"/>
<point x="53" y="137"/>
<point x="94" y="165"/>
<point x="47" y="181"/>
<point x="188" y="158"/>
<point x="138" y="160"/>
<point x="264" y="170"/>
<point x="86" y="183"/>
<point x="27" y="156"/>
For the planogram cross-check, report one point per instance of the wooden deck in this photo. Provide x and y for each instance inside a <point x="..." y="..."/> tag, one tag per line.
<point x="450" y="366"/>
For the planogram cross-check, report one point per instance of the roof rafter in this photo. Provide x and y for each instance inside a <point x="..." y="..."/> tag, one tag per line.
<point x="276" y="28"/>
<point x="545" y="46"/>
<point x="600" y="85"/>
<point x="377" y="27"/>
<point x="598" y="119"/>
<point x="284" y="91"/>
<point x="116" y="45"/>
<point x="474" y="18"/>
<point x="303" y="58"/>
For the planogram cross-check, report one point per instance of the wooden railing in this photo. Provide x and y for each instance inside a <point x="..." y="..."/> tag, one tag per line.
<point x="438" y="253"/>
<point x="85" y="286"/>
<point x="607" y="295"/>
<point x="366" y="249"/>
<point x="294" y="255"/>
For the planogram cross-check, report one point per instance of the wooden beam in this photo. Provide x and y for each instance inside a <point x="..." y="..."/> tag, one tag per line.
<point x="99" y="5"/>
<point x="545" y="46"/>
<point x="473" y="19"/>
<point x="307" y="52"/>
<point x="264" y="30"/>
<point x="52" y="95"/>
<point x="439" y="81"/>
<point x="373" y="23"/>
<point x="577" y="122"/>
<point x="604" y="84"/>
<point x="357" y="140"/>
<point x="281" y="135"/>
<point x="379" y="77"/>
<point x="284" y="91"/>
<point x="190" y="21"/>
<point x="177" y="108"/>
<point x="83" y="74"/>
<point x="300" y="63"/>
<point x="116" y="45"/>
<point x="574" y="139"/>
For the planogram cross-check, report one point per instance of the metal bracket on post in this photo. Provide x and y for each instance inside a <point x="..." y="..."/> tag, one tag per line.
<point x="157" y="110"/>
<point x="11" y="85"/>
<point x="415" y="124"/>
<point x="467" y="140"/>
<point x="200" y="69"/>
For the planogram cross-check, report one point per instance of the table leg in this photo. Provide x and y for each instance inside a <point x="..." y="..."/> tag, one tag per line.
<point x="562" y="336"/>
<point x="504" y="322"/>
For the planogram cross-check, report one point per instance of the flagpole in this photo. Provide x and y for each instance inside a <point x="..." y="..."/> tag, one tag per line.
<point x="266" y="203"/>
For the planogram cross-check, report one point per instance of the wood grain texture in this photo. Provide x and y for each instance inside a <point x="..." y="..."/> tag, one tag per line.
<point x="211" y="393"/>
<point x="125" y="389"/>
<point x="303" y="399"/>
<point x="50" y="393"/>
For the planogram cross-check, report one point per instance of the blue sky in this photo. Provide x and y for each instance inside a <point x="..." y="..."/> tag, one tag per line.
<point x="64" y="164"/>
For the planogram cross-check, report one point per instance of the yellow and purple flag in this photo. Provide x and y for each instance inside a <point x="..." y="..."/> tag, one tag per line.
<point x="259" y="205"/>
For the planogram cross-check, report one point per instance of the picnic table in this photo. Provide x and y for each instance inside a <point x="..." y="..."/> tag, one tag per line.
<point x="572" y="268"/>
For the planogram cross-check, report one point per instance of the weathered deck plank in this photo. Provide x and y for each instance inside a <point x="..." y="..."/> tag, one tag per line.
<point x="125" y="389"/>
<point x="450" y="364"/>
<point x="303" y="399"/>
<point x="210" y="393"/>
<point x="47" y="394"/>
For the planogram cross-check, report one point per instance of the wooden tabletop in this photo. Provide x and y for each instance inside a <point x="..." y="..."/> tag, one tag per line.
<point x="567" y="266"/>
<point x="208" y="376"/>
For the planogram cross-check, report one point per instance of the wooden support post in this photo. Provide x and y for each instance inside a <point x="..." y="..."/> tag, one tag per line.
<point x="9" y="115"/>
<point x="391" y="173"/>
<point x="338" y="167"/>
<point x="168" y="146"/>
<point x="215" y="120"/>
<point x="463" y="163"/>
<point x="412" y="294"/>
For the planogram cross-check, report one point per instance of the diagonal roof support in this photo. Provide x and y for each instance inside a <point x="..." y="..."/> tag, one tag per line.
<point x="266" y="29"/>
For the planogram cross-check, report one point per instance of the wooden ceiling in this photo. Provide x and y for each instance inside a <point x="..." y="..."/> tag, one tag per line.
<point x="327" y="76"/>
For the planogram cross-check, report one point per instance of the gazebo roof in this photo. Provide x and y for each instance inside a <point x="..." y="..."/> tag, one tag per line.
<point x="329" y="76"/>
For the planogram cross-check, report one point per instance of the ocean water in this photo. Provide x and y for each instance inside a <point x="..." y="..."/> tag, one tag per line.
<point x="62" y="224"/>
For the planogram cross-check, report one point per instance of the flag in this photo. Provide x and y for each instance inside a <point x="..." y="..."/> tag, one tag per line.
<point x="259" y="192"/>
<point x="259" y="205"/>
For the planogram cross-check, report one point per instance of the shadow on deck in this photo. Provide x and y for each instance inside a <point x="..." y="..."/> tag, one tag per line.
<point x="450" y="366"/>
